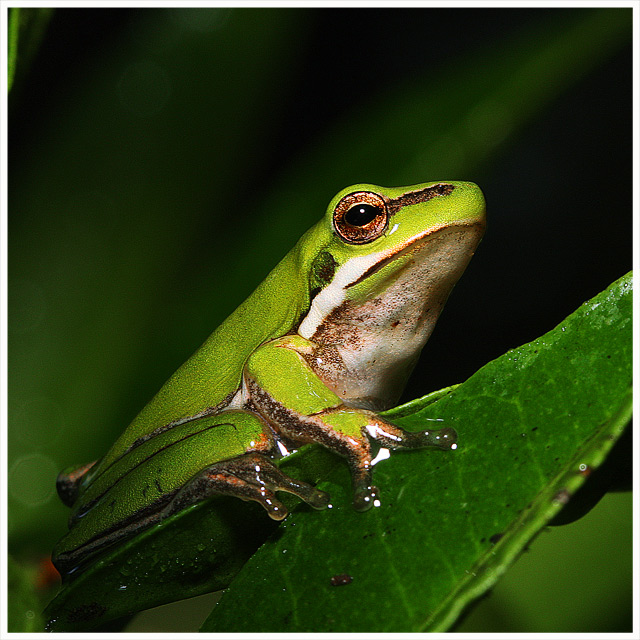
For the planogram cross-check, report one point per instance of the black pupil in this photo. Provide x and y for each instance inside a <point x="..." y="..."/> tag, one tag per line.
<point x="361" y="214"/>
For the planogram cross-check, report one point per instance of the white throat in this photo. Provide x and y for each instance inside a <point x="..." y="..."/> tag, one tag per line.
<point x="332" y="296"/>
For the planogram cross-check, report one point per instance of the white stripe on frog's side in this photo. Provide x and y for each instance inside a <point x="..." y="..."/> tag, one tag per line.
<point x="334" y="294"/>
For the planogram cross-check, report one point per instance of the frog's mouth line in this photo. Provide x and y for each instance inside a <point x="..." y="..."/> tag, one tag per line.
<point x="414" y="244"/>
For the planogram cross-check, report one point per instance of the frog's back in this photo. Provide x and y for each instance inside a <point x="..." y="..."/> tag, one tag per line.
<point x="211" y="376"/>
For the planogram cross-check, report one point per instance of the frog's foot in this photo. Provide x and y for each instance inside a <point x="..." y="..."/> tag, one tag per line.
<point x="250" y="477"/>
<point x="392" y="437"/>
<point x="365" y="497"/>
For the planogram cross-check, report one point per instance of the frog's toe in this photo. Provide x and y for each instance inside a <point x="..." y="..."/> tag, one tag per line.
<point x="441" y="438"/>
<point x="318" y="499"/>
<point x="365" y="498"/>
<point x="273" y="506"/>
<point x="313" y="497"/>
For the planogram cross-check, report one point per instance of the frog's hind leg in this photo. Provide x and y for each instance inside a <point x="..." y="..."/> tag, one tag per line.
<point x="251" y="476"/>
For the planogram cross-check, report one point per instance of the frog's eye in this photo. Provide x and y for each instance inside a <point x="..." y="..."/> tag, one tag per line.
<point x="360" y="217"/>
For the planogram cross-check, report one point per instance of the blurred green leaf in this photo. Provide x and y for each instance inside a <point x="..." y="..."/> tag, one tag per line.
<point x="25" y="30"/>
<point x="532" y="425"/>
<point x="12" y="53"/>
<point x="448" y="125"/>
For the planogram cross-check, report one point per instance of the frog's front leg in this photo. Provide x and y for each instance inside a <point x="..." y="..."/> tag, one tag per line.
<point x="284" y="389"/>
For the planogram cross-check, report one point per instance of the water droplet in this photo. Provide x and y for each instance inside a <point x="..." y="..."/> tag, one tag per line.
<point x="584" y="469"/>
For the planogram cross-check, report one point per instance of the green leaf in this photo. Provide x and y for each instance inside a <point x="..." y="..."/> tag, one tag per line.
<point x="12" y="52"/>
<point x="196" y="551"/>
<point x="26" y="28"/>
<point x="532" y="425"/>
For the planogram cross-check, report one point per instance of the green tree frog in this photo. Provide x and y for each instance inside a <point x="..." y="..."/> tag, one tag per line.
<point x="323" y="344"/>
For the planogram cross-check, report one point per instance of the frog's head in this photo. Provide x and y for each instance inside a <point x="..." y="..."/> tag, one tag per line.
<point x="382" y="263"/>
